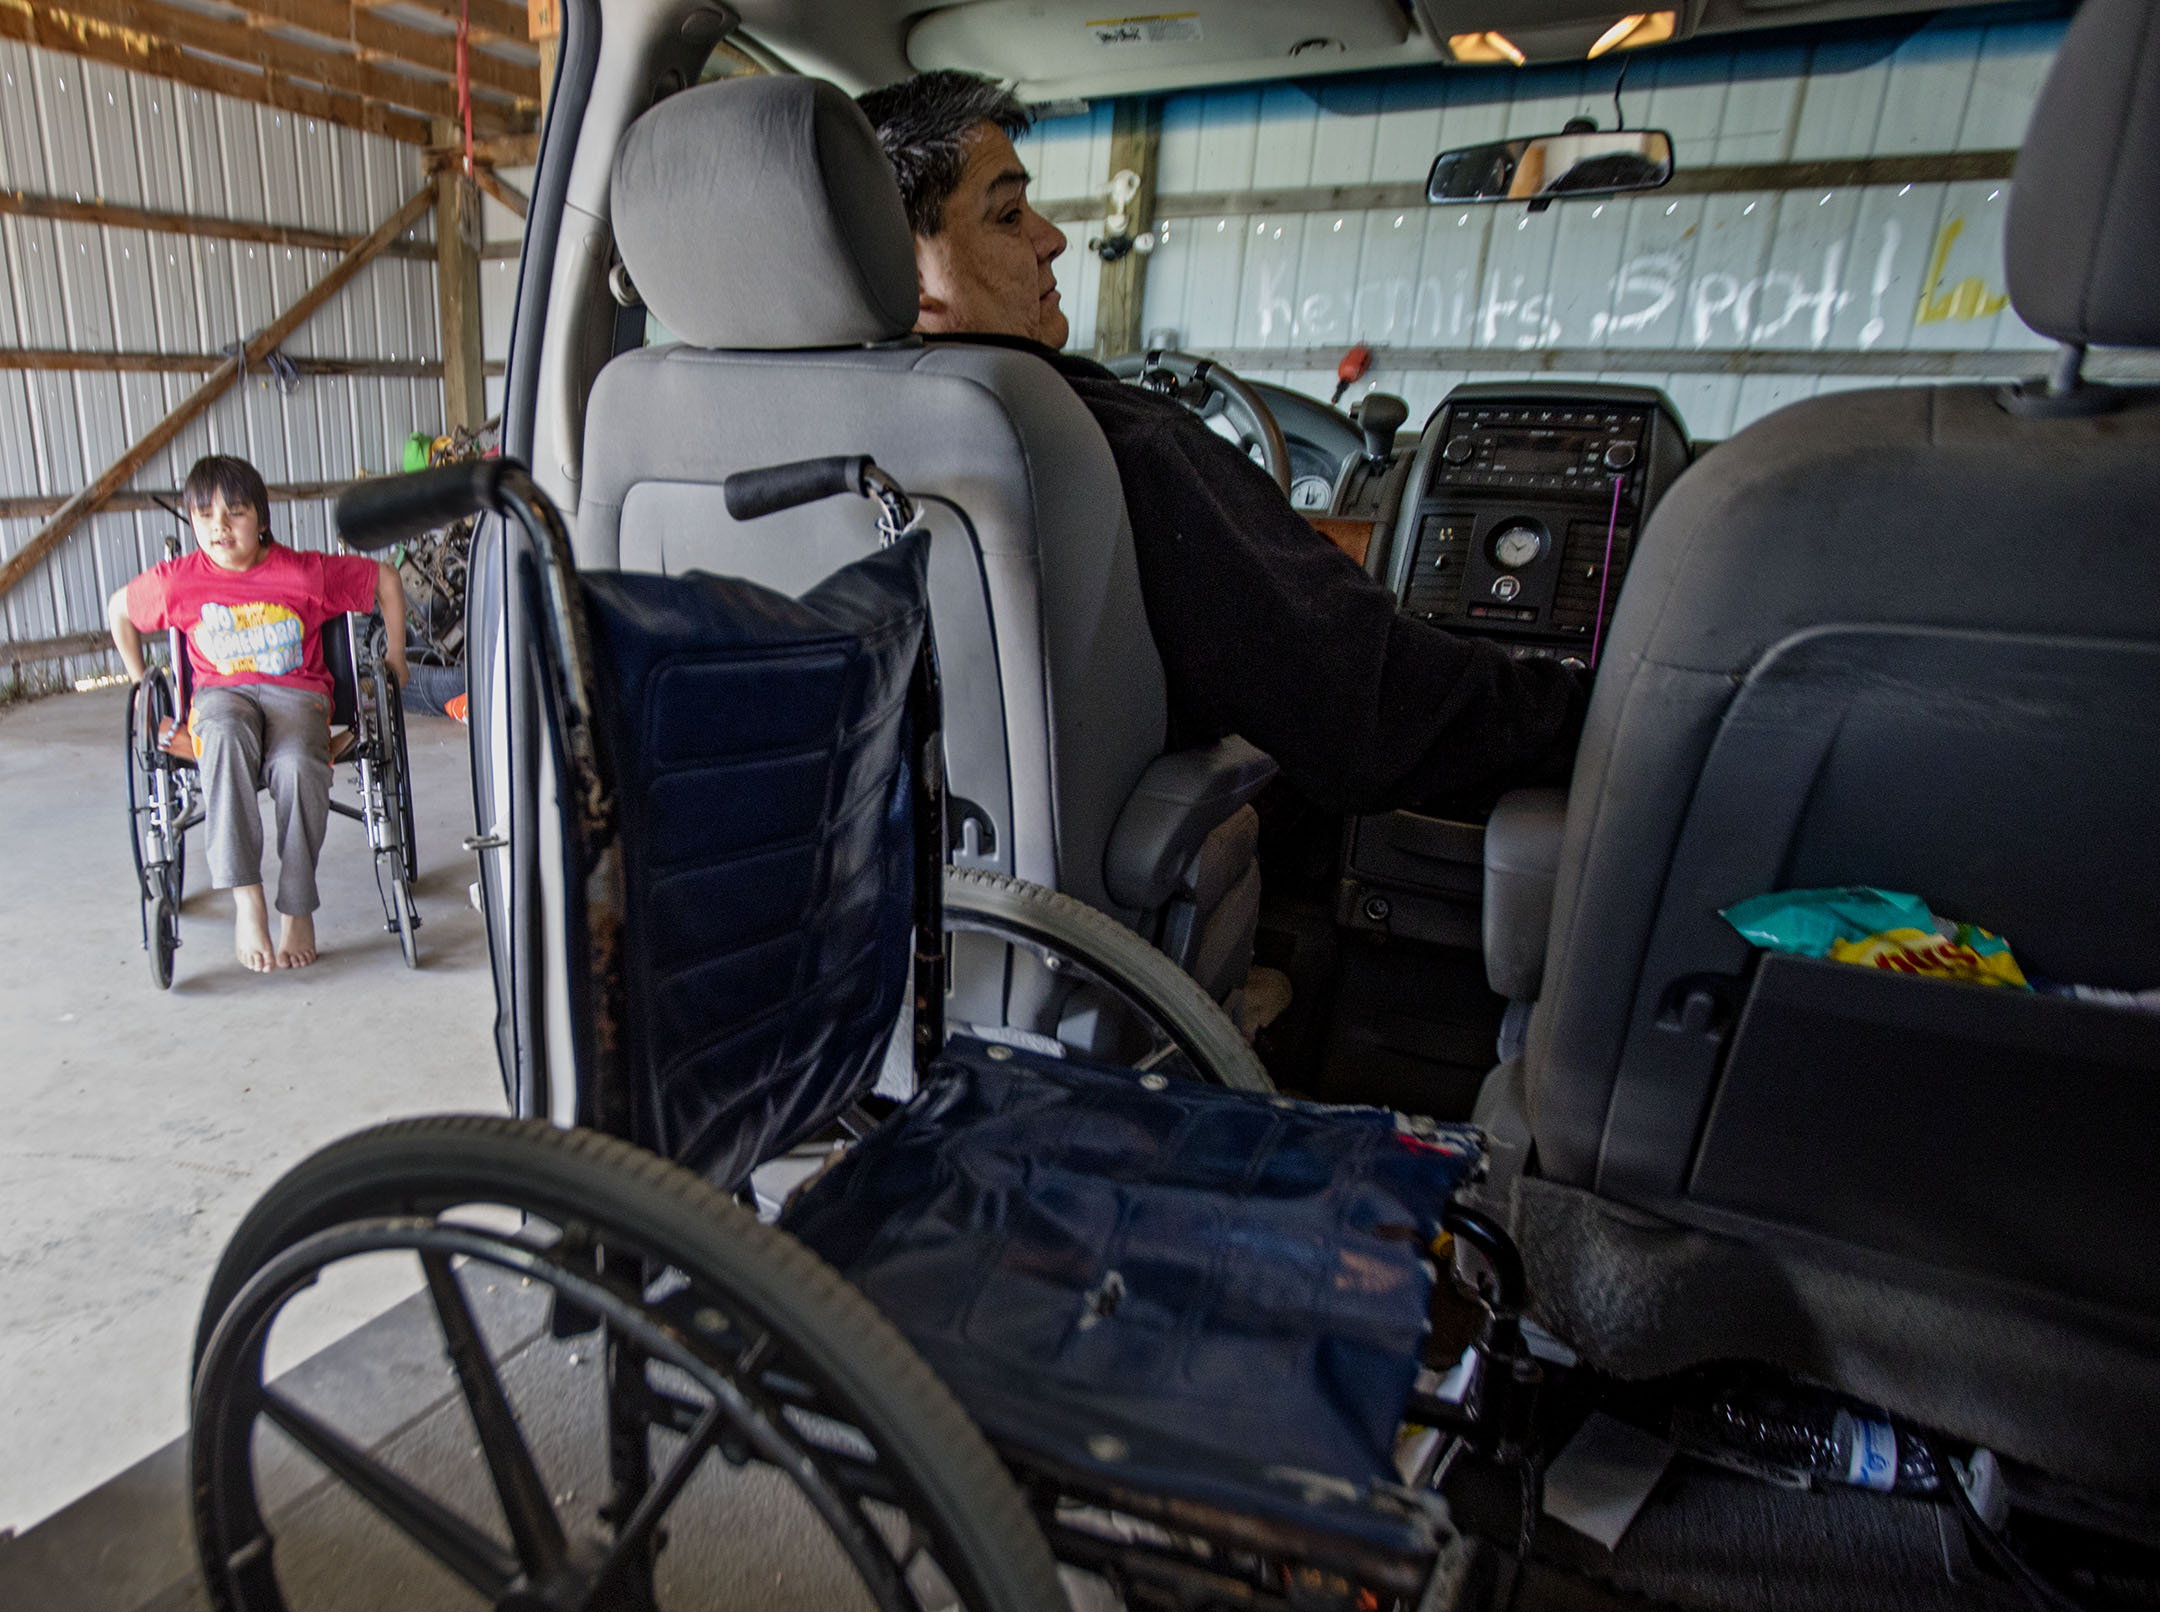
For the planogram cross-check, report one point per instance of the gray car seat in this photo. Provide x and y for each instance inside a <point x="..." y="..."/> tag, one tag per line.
<point x="1907" y="638"/>
<point x="762" y="226"/>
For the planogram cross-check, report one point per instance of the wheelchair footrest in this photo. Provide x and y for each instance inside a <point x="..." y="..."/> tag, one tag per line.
<point x="1185" y="1301"/>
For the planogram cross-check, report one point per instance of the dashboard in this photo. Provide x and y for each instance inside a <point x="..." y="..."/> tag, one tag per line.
<point x="1517" y="513"/>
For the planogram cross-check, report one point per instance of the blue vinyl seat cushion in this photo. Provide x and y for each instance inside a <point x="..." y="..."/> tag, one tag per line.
<point x="1188" y="1291"/>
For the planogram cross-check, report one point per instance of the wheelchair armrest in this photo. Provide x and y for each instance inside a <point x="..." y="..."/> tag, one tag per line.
<point x="1522" y="860"/>
<point x="1181" y="799"/>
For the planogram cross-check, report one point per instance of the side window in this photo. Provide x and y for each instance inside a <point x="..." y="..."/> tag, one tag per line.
<point x="727" y="61"/>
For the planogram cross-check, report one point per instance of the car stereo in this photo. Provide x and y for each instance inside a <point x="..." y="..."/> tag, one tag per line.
<point x="1522" y="509"/>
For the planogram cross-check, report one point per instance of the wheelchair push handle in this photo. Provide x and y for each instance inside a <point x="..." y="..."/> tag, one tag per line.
<point x="387" y="510"/>
<point x="772" y="488"/>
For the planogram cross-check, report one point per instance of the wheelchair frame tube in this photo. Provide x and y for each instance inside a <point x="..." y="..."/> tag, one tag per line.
<point x="926" y="781"/>
<point x="596" y="899"/>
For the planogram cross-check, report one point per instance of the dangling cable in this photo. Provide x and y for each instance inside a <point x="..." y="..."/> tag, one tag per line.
<point x="1612" y="527"/>
<point x="1620" y="117"/>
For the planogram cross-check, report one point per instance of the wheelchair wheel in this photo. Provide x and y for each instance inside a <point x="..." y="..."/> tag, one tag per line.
<point x="145" y="702"/>
<point x="639" y="1341"/>
<point x="1184" y="1031"/>
<point x="159" y="848"/>
<point x="390" y="724"/>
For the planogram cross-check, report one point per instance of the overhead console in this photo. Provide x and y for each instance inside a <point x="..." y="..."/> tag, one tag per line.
<point x="1522" y="508"/>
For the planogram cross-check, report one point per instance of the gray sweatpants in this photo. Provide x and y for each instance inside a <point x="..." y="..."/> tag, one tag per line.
<point x="264" y="736"/>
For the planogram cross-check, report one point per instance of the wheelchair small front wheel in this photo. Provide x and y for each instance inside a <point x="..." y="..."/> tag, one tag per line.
<point x="164" y="938"/>
<point x="176" y="872"/>
<point x="408" y="919"/>
<point x="649" y="1375"/>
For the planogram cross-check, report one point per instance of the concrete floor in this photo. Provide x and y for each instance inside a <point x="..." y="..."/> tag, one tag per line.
<point x="140" y="1125"/>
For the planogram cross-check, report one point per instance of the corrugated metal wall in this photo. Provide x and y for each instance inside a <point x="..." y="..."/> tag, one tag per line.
<point x="1728" y="280"/>
<point x="76" y="129"/>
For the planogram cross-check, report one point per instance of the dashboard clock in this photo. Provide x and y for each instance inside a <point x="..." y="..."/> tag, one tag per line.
<point x="1518" y="546"/>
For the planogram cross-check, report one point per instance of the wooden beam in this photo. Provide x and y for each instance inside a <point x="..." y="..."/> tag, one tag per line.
<point x="503" y="151"/>
<point x="1135" y="136"/>
<point x="509" y="195"/>
<point x="259" y="347"/>
<point x="1916" y="168"/>
<point x="1969" y="363"/>
<point x="270" y="53"/>
<point x="457" y="288"/>
<point x="50" y="359"/>
<point x="299" y="492"/>
<point x="113" y="215"/>
<point x="374" y="38"/>
<point x="117" y="216"/>
<point x="493" y="21"/>
<point x="30" y="651"/>
<point x="49" y="27"/>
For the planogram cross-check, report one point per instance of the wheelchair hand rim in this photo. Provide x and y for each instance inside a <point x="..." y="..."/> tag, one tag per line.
<point x="405" y="1164"/>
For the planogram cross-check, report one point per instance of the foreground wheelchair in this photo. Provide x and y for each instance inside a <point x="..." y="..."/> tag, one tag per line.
<point x="1175" y="1336"/>
<point x="165" y="792"/>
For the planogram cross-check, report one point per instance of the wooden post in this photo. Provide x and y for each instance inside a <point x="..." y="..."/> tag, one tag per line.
<point x="457" y="285"/>
<point x="1135" y="136"/>
<point x="260" y="347"/>
<point x="543" y="25"/>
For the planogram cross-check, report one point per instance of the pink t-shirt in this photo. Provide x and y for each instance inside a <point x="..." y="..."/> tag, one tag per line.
<point x="261" y="625"/>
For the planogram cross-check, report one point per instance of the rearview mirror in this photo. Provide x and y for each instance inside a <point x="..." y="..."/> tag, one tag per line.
<point x="1543" y="166"/>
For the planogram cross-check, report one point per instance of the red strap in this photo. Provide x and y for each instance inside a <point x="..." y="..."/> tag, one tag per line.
<point x="464" y="77"/>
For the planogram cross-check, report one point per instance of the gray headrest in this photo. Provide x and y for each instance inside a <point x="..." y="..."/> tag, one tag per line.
<point x="2084" y="231"/>
<point x="760" y="213"/>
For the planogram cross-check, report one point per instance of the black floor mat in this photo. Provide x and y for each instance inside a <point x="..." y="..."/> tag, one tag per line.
<point x="1710" y="1541"/>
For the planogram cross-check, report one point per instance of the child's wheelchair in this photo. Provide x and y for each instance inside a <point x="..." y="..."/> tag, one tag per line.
<point x="165" y="791"/>
<point x="1050" y="1310"/>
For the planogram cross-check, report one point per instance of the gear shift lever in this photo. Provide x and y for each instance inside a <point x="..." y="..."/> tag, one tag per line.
<point x="1379" y="415"/>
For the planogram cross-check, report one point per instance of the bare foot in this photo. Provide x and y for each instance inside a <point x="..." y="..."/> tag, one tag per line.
<point x="251" y="929"/>
<point x="296" y="940"/>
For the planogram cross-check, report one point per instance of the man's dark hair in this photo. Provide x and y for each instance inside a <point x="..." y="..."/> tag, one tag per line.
<point x="923" y="123"/>
<point x="239" y="482"/>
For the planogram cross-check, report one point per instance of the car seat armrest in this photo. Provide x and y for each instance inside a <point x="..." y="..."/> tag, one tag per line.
<point x="1181" y="799"/>
<point x="1522" y="860"/>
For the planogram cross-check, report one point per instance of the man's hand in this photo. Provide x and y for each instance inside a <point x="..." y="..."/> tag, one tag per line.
<point x="395" y="660"/>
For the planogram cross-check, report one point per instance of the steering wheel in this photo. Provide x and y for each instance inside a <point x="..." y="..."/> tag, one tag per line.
<point x="1211" y="391"/>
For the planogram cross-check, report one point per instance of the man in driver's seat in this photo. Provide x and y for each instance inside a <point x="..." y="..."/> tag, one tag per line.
<point x="1265" y="629"/>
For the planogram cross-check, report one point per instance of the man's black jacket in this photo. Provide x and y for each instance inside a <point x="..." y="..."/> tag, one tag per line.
<point x="1269" y="631"/>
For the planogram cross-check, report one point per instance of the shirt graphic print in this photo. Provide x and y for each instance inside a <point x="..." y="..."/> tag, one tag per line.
<point x="265" y="638"/>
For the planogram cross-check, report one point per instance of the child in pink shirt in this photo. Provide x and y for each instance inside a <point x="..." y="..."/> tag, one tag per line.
<point x="252" y="611"/>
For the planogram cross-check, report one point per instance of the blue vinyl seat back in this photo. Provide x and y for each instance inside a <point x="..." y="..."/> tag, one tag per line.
<point x="759" y="751"/>
<point x="1187" y="1291"/>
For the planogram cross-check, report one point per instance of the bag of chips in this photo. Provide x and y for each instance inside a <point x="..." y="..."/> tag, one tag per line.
<point x="1876" y="929"/>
